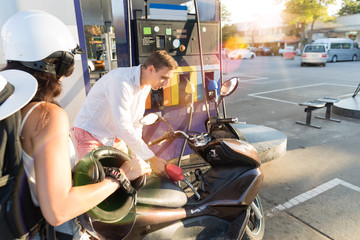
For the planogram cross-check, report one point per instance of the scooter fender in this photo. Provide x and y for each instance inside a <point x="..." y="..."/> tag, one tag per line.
<point x="229" y="201"/>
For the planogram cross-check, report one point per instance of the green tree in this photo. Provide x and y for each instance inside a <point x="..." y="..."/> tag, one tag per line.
<point x="349" y="7"/>
<point x="299" y="13"/>
<point x="225" y="15"/>
<point x="229" y="31"/>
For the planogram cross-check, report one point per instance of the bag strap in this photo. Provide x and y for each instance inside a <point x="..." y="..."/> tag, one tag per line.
<point x="50" y="232"/>
<point x="4" y="180"/>
<point x="27" y="115"/>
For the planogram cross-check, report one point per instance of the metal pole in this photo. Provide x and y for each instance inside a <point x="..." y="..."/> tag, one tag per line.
<point x="128" y="3"/>
<point x="146" y="10"/>
<point x="185" y="141"/>
<point x="221" y="63"/>
<point x="201" y="57"/>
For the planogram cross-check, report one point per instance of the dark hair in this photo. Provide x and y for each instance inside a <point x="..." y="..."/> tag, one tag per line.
<point x="49" y="85"/>
<point x="160" y="59"/>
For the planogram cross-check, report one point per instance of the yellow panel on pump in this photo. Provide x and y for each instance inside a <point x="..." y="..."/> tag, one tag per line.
<point x="171" y="93"/>
<point x="175" y="82"/>
<point x="193" y="80"/>
<point x="174" y="85"/>
<point x="148" y="101"/>
<point x="167" y="96"/>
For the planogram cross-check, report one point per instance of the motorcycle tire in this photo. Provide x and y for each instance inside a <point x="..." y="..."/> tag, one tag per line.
<point x="255" y="228"/>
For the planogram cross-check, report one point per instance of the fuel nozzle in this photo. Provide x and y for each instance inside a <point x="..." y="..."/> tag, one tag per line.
<point x="189" y="92"/>
<point x="212" y="90"/>
<point x="175" y="174"/>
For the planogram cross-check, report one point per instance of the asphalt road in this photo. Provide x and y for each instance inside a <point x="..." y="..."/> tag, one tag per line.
<point x="313" y="191"/>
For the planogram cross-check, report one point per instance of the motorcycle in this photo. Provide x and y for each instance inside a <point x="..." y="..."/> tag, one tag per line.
<point x="224" y="205"/>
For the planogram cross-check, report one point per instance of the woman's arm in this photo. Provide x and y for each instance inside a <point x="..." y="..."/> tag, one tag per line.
<point x="59" y="201"/>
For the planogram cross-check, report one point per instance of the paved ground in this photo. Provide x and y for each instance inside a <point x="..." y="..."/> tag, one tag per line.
<point x="304" y="198"/>
<point x="313" y="191"/>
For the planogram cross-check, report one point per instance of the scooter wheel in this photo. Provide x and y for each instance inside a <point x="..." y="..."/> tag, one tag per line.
<point x="255" y="227"/>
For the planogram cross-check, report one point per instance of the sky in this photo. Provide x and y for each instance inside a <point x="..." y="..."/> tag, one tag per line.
<point x="267" y="10"/>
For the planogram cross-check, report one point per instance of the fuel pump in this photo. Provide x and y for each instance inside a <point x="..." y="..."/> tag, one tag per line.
<point x="194" y="42"/>
<point x="180" y="40"/>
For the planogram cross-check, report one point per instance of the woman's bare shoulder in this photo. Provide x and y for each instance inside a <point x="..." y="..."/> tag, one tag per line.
<point x="46" y="115"/>
<point x="50" y="109"/>
<point x="44" y="122"/>
<point x="57" y="116"/>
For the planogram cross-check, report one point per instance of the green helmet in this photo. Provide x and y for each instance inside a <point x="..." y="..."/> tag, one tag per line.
<point x="115" y="216"/>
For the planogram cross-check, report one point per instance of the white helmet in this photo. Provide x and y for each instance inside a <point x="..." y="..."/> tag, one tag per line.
<point x="31" y="36"/>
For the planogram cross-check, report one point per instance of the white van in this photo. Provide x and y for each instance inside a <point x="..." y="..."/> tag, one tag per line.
<point x="340" y="49"/>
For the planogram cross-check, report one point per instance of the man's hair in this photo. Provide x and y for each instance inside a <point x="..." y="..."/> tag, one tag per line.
<point x="160" y="59"/>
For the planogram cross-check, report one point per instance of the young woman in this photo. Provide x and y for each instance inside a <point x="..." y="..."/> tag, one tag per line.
<point x="48" y="54"/>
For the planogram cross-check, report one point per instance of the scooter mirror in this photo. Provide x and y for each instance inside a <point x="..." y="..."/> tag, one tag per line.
<point x="228" y="87"/>
<point x="149" y="119"/>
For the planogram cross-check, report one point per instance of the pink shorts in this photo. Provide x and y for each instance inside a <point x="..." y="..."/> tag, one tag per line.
<point x="85" y="142"/>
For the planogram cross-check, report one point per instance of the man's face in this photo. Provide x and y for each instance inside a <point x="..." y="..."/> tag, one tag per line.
<point x="160" y="78"/>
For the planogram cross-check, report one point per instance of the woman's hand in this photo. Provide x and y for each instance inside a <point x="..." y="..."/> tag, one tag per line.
<point x="135" y="168"/>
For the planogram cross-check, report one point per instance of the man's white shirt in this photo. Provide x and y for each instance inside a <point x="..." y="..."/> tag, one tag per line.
<point x="114" y="107"/>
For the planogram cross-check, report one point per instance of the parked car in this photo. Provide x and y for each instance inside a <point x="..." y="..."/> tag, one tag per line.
<point x="241" y="53"/>
<point x="281" y="51"/>
<point x="340" y="49"/>
<point x="314" y="54"/>
<point x="252" y="49"/>
<point x="289" y="52"/>
<point x="263" y="51"/>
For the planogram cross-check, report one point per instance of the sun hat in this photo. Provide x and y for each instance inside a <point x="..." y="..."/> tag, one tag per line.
<point x="20" y="87"/>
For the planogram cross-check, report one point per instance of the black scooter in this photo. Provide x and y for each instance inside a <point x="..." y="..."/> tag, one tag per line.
<point x="225" y="204"/>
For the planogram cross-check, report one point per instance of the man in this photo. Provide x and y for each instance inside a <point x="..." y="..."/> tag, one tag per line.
<point x="112" y="111"/>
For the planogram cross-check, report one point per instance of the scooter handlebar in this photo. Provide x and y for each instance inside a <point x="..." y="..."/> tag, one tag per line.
<point x="169" y="134"/>
<point x="227" y="120"/>
<point x="156" y="141"/>
<point x="160" y="139"/>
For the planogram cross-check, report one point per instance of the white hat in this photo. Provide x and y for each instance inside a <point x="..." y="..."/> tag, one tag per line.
<point x="25" y="86"/>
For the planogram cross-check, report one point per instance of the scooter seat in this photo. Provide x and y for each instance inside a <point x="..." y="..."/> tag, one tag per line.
<point x="161" y="192"/>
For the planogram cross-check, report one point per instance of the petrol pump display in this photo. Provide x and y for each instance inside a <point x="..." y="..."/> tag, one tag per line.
<point x="179" y="38"/>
